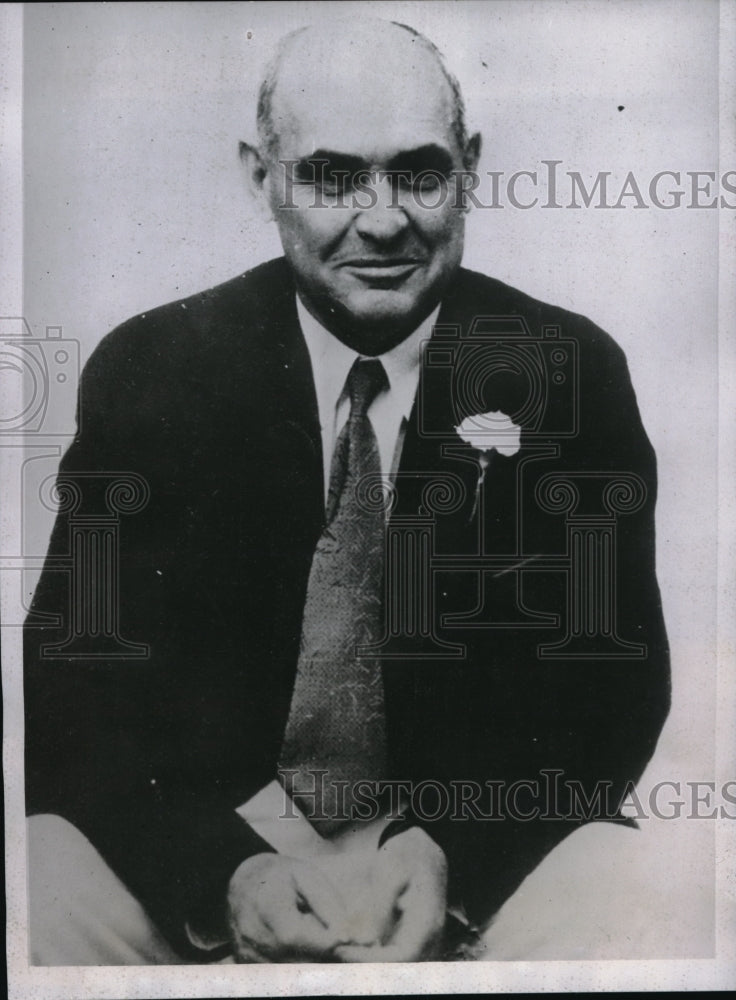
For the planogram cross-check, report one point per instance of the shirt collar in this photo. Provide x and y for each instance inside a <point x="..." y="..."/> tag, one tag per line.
<point x="332" y="360"/>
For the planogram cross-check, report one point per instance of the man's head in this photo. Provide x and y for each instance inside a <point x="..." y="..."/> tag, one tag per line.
<point x="360" y="128"/>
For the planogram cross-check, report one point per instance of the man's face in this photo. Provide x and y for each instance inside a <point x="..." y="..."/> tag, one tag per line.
<point x="372" y="252"/>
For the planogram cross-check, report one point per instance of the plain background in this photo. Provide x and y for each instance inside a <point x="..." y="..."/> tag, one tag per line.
<point x="134" y="197"/>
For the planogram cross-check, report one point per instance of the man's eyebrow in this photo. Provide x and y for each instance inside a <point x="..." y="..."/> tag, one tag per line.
<point x="428" y="157"/>
<point x="335" y="161"/>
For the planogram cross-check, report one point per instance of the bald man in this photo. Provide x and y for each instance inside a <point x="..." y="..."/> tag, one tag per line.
<point x="204" y="802"/>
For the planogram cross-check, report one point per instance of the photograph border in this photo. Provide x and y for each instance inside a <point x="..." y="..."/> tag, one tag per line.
<point x="719" y="973"/>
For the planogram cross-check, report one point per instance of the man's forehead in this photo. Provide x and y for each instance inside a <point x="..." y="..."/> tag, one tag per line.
<point x="371" y="100"/>
<point x="374" y="140"/>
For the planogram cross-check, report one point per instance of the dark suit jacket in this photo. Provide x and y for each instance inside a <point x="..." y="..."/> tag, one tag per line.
<point x="211" y="401"/>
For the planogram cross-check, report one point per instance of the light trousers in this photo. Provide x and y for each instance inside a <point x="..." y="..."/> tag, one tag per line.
<point x="80" y="913"/>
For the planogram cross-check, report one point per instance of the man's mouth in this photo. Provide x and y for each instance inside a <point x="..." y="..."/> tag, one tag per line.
<point x="374" y="269"/>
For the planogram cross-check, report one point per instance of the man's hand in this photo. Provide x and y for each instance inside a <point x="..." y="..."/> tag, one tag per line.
<point x="408" y="894"/>
<point x="282" y="909"/>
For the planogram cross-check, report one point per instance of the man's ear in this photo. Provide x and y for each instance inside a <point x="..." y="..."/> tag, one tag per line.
<point x="471" y="155"/>
<point x="472" y="151"/>
<point x="255" y="179"/>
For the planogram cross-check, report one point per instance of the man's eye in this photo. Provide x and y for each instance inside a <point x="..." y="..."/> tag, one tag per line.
<point x="303" y="176"/>
<point x="428" y="180"/>
<point x="335" y="182"/>
<point x="318" y="175"/>
<point x="423" y="181"/>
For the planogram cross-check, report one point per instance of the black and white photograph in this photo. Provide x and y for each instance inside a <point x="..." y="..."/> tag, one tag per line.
<point x="367" y="454"/>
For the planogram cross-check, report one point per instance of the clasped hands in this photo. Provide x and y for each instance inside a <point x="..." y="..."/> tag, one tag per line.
<point x="383" y="906"/>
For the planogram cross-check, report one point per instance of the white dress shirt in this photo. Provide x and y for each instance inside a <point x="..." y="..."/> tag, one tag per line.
<point x="390" y="410"/>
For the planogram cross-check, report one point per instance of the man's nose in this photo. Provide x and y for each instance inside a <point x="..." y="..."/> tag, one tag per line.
<point x="386" y="220"/>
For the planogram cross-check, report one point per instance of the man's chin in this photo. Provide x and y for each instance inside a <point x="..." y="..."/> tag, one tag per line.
<point x="384" y="314"/>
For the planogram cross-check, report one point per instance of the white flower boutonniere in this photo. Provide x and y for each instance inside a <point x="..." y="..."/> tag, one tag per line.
<point x="487" y="432"/>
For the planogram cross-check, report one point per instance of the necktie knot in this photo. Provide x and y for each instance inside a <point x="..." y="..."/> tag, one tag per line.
<point x="366" y="379"/>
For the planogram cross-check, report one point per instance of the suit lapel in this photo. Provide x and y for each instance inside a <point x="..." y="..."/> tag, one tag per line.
<point x="287" y="451"/>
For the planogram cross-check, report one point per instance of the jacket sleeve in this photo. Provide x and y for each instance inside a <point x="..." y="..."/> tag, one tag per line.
<point x="113" y="738"/>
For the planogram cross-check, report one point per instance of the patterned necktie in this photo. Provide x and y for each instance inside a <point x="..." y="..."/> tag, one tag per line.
<point x="337" y="720"/>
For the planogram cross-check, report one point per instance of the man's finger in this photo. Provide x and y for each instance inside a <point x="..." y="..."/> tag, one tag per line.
<point x="245" y="952"/>
<point x="315" y="894"/>
<point x="389" y="882"/>
<point x="413" y="914"/>
<point x="301" y="936"/>
<point x="302" y="926"/>
<point x="359" y="953"/>
<point x="416" y="945"/>
<point x="352" y="876"/>
<point x="413" y="933"/>
<point x="376" y="953"/>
